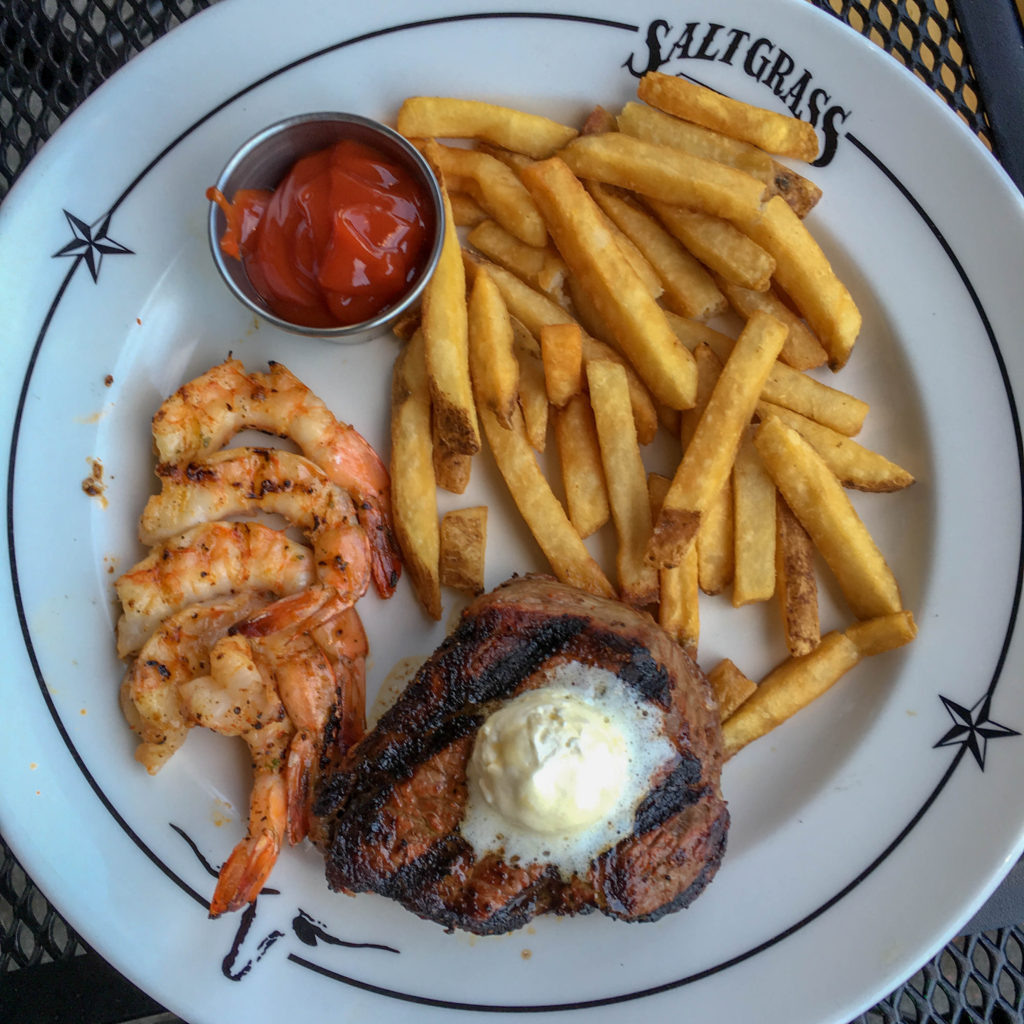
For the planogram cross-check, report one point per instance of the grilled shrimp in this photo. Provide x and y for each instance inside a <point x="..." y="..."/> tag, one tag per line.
<point x="237" y="699"/>
<point x="272" y="682"/>
<point x="210" y="560"/>
<point x="178" y="651"/>
<point x="204" y="414"/>
<point x="314" y="647"/>
<point x="246" y="480"/>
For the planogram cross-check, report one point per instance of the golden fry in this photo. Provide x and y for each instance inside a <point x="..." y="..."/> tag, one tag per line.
<point x="626" y="480"/>
<point x="541" y="268"/>
<point x="803" y="271"/>
<point x="413" y="485"/>
<point x="817" y="499"/>
<point x="730" y="687"/>
<point x="586" y="494"/>
<point x="801" y="193"/>
<point x="495" y="186"/>
<point x="817" y="401"/>
<point x="638" y="323"/>
<point x="653" y="125"/>
<point x="707" y="461"/>
<point x="444" y="117"/>
<point x="463" y="548"/>
<point x="466" y="211"/>
<point x="533" y="397"/>
<point x="885" y="633"/>
<point x="688" y="287"/>
<point x="719" y="245"/>
<point x="796" y="584"/>
<point x="561" y="350"/>
<point x="446" y="343"/>
<point x="533" y="309"/>
<point x="786" y="689"/>
<point x="679" y="592"/>
<point x="772" y="132"/>
<point x="666" y="173"/>
<point x="854" y="465"/>
<point x="490" y="332"/>
<point x="802" y="350"/>
<point x="541" y="510"/>
<point x="754" y="511"/>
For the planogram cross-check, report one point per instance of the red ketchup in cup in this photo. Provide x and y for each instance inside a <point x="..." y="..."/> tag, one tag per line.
<point x="339" y="240"/>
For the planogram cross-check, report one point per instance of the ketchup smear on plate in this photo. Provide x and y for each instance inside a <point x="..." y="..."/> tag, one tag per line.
<point x="339" y="240"/>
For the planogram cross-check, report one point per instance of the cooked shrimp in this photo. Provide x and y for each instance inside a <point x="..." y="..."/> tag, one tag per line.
<point x="177" y="652"/>
<point x="207" y="561"/>
<point x="313" y="646"/>
<point x="206" y="413"/>
<point x="237" y="699"/>
<point x="246" y="480"/>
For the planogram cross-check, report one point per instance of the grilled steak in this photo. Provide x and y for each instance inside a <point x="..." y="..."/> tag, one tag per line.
<point x="388" y="816"/>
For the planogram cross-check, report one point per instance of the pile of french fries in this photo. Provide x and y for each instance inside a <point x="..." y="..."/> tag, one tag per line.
<point x="578" y="300"/>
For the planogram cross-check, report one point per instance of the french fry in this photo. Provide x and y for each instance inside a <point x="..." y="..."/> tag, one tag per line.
<point x="801" y="193"/>
<point x="561" y="350"/>
<point x="445" y="117"/>
<point x="708" y="458"/>
<point x="446" y="344"/>
<point x="804" y="272"/>
<point x="754" y="511"/>
<point x="626" y="480"/>
<point x="885" y="633"/>
<point x="770" y="131"/>
<point x="533" y="396"/>
<point x="855" y="466"/>
<point x="463" y="548"/>
<point x="452" y="470"/>
<point x="842" y="412"/>
<point x="817" y="499"/>
<point x="635" y="258"/>
<point x="730" y="687"/>
<point x="413" y="485"/>
<point x="666" y="173"/>
<point x="802" y="350"/>
<point x="787" y="689"/>
<point x="799" y="681"/>
<point x="688" y="287"/>
<point x="533" y="310"/>
<point x="494" y="185"/>
<point x="715" y="547"/>
<point x="653" y="125"/>
<point x="639" y="326"/>
<point x="466" y="211"/>
<point x="541" y="510"/>
<point x="719" y="245"/>
<point x="679" y="592"/>
<point x="490" y="333"/>
<point x="597" y="121"/>
<point x="795" y="582"/>
<point x="541" y="268"/>
<point x="586" y="494"/>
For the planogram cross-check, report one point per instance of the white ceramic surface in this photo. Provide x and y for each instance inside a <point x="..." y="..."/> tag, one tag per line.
<point x="858" y="844"/>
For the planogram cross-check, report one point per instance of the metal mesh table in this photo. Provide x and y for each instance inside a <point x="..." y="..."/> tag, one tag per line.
<point x="54" y="53"/>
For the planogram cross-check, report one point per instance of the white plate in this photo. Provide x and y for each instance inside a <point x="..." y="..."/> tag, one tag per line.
<point x="859" y="843"/>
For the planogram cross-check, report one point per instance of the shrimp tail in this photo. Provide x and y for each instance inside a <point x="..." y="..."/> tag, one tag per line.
<point x="245" y="872"/>
<point x="298" y="781"/>
<point x="385" y="557"/>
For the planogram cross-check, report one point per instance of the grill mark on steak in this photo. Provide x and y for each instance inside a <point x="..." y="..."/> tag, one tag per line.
<point x="388" y="819"/>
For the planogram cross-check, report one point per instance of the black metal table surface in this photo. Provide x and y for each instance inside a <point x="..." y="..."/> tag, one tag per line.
<point x="54" y="53"/>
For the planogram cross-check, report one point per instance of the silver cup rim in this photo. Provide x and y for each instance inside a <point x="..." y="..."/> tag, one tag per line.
<point x="233" y="273"/>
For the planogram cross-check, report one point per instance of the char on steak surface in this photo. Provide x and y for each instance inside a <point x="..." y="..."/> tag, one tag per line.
<point x="388" y="816"/>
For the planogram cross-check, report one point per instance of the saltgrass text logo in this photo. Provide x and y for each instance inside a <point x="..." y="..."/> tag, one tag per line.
<point x="759" y="57"/>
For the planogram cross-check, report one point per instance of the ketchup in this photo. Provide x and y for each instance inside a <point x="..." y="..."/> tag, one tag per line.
<point x="339" y="240"/>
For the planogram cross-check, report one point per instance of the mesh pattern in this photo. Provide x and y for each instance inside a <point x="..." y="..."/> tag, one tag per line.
<point x="53" y="55"/>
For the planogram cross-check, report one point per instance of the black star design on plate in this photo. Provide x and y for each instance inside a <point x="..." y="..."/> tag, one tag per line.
<point x="973" y="728"/>
<point x="91" y="242"/>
